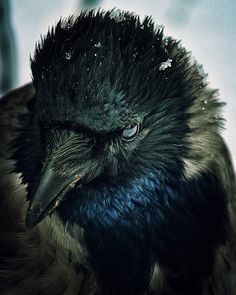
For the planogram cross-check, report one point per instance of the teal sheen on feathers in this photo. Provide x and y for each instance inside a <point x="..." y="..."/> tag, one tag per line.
<point x="115" y="179"/>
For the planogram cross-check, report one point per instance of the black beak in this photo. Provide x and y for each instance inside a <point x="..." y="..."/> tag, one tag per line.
<point x="49" y="192"/>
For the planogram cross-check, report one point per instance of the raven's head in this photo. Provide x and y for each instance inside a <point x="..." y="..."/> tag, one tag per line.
<point x="122" y="117"/>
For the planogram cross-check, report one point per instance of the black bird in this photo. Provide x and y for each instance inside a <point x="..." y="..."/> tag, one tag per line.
<point x="129" y="185"/>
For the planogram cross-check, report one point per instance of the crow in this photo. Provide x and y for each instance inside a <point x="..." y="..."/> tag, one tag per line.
<point x="115" y="178"/>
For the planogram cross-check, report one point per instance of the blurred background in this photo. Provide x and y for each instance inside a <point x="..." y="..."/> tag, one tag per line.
<point x="206" y="28"/>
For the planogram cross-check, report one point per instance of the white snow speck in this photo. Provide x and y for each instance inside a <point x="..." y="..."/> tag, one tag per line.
<point x="114" y="13"/>
<point x="166" y="64"/>
<point x="205" y="101"/>
<point x="98" y="45"/>
<point x="68" y="55"/>
<point x="117" y="15"/>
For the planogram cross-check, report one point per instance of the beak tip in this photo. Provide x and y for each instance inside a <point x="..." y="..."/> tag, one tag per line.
<point x="29" y="222"/>
<point x="32" y="216"/>
<point x="47" y="195"/>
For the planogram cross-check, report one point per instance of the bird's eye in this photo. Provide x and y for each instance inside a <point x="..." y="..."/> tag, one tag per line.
<point x="130" y="132"/>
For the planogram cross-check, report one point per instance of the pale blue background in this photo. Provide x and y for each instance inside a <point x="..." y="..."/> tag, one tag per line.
<point x="206" y="27"/>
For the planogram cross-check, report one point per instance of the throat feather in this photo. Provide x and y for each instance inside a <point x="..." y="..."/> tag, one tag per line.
<point x="132" y="225"/>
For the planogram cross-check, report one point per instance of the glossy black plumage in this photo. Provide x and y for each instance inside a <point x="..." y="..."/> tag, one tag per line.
<point x="153" y="215"/>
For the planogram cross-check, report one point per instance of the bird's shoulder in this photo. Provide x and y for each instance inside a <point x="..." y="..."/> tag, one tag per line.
<point x="32" y="261"/>
<point x="223" y="279"/>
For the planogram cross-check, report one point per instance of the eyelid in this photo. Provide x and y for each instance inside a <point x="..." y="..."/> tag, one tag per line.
<point x="130" y="125"/>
